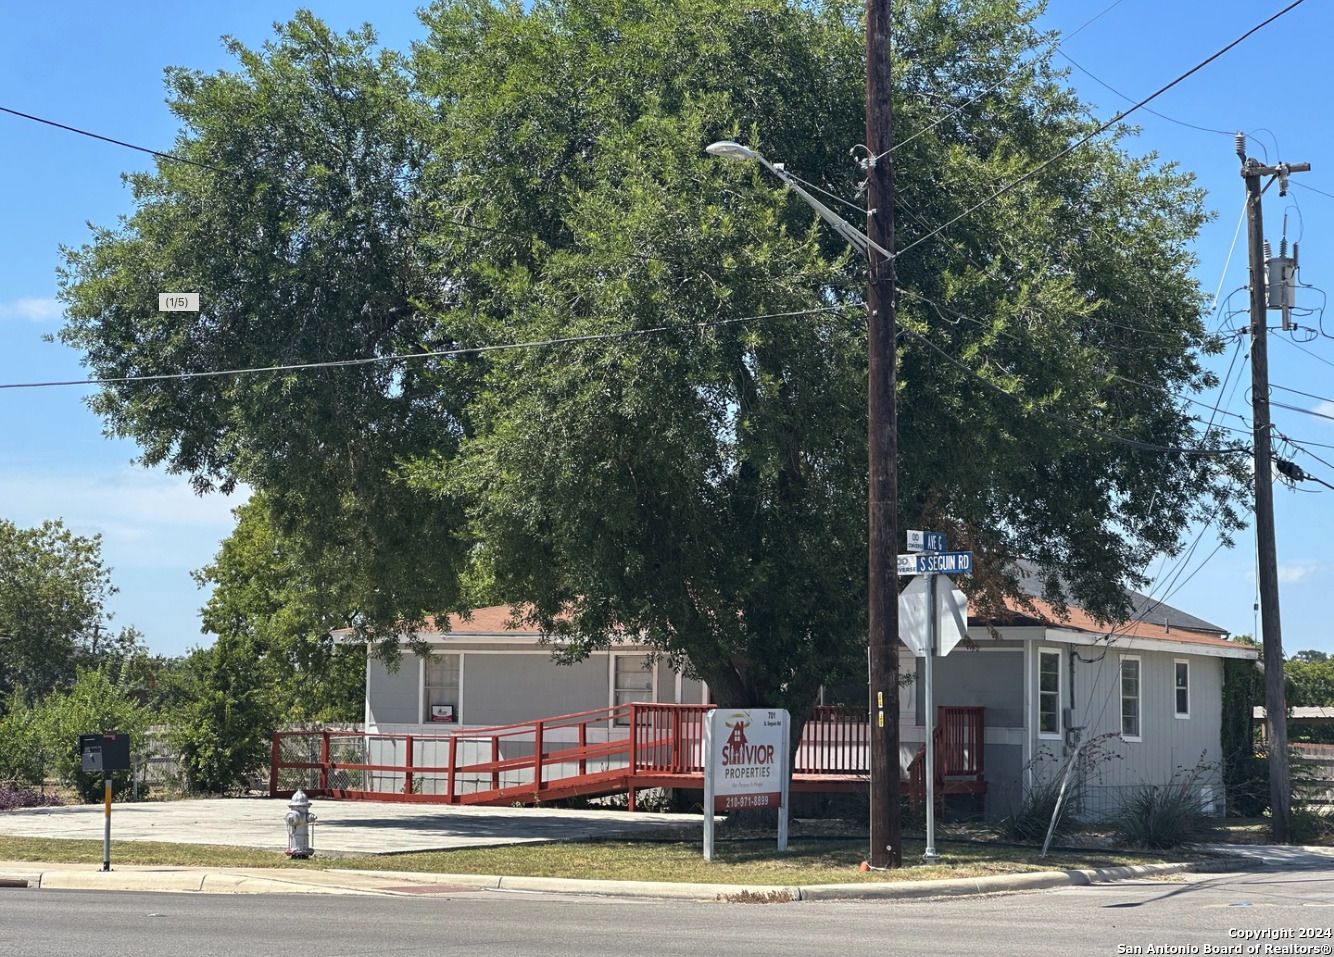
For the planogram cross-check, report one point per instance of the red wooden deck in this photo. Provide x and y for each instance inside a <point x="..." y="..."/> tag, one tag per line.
<point x="611" y="750"/>
<point x="959" y="738"/>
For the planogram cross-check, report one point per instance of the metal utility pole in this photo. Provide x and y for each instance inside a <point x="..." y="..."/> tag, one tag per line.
<point x="883" y="592"/>
<point x="1276" y="712"/>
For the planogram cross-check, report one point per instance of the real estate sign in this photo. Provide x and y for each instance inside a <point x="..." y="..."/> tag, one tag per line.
<point x="745" y="766"/>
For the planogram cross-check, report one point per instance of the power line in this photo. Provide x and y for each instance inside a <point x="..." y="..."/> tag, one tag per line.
<point x="1297" y="408"/>
<point x="1101" y="129"/>
<point x="1164" y="116"/>
<point x="1161" y="390"/>
<point x="997" y="85"/>
<point x="1308" y="395"/>
<point x="434" y="354"/>
<point x="1306" y="351"/>
<point x="1312" y="189"/>
<point x="1078" y="426"/>
<point x="171" y="157"/>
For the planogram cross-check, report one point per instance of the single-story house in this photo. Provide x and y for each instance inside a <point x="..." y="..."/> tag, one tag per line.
<point x="482" y="672"/>
<point x="1139" y="701"/>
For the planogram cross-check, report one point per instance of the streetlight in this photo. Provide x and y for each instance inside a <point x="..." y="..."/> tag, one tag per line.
<point x="882" y="518"/>
<point x="857" y="239"/>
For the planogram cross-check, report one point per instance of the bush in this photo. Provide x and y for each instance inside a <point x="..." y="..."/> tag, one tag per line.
<point x="222" y="734"/>
<point x="1030" y="819"/>
<point x="12" y="798"/>
<point x="21" y="753"/>
<point x="1164" y="816"/>
<point x="1248" y="789"/>
<point x="94" y="705"/>
<point x="1311" y="826"/>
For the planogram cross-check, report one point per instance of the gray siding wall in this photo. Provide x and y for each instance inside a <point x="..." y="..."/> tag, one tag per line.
<point x="393" y="697"/>
<point x="1169" y="748"/>
<point x="992" y="679"/>
<point x="509" y="688"/>
<point x="692" y="691"/>
<point x="1004" y="774"/>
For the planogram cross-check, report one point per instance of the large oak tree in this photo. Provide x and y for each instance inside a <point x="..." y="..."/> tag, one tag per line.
<point x="679" y="450"/>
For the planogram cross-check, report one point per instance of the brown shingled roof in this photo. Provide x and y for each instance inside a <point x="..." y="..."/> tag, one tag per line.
<point x="495" y="620"/>
<point x="1076" y="619"/>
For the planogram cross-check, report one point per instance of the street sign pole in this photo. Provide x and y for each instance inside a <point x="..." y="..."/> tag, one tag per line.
<point x="930" y="854"/>
<point x="106" y="831"/>
<point x="930" y="559"/>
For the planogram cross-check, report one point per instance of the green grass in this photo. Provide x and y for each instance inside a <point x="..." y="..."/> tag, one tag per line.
<point x="809" y="861"/>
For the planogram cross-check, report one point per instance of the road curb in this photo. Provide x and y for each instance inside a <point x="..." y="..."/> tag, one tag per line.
<point x="400" y="883"/>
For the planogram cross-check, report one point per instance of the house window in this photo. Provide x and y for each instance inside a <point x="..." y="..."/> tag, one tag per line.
<point x="442" y="688"/>
<point x="1182" y="687"/>
<point x="1130" y="698"/>
<point x="632" y="680"/>
<point x="1049" y="694"/>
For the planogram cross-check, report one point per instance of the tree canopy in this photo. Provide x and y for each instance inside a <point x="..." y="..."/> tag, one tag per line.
<point x="568" y="358"/>
<point x="53" y="618"/>
<point x="277" y="612"/>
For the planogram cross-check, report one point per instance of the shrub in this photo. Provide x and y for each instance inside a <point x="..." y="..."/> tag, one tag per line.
<point x="1248" y="787"/>
<point x="21" y="753"/>
<point x="13" y="797"/>
<point x="1311" y="825"/>
<point x="1165" y="816"/>
<point x="94" y="705"/>
<point x="222" y="734"/>
<point x="1029" y="820"/>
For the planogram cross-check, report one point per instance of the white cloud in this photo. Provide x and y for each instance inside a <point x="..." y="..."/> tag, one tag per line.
<point x="144" y="517"/>
<point x="31" y="308"/>
<point x="1325" y="408"/>
<point x="1301" y="571"/>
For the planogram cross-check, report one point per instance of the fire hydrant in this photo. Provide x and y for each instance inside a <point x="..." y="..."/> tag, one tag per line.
<point x="299" y="825"/>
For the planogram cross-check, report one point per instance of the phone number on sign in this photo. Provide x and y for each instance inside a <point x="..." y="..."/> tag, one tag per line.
<point x="737" y="802"/>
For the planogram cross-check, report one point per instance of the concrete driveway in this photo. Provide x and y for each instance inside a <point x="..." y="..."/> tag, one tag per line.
<point x="342" y="827"/>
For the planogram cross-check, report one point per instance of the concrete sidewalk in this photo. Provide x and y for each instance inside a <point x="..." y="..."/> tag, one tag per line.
<point x="341" y="827"/>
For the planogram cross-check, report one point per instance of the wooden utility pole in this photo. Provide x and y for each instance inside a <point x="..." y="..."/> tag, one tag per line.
<point x="1276" y="710"/>
<point x="883" y="596"/>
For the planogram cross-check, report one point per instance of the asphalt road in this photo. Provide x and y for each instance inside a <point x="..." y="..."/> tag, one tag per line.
<point x="1198" y="911"/>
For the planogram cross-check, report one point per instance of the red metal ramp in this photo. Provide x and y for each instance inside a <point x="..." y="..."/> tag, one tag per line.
<point x="611" y="750"/>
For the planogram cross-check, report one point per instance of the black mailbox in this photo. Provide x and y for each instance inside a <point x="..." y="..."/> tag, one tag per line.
<point x="105" y="752"/>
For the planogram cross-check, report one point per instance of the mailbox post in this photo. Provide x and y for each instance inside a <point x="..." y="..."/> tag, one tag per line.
<point x="105" y="753"/>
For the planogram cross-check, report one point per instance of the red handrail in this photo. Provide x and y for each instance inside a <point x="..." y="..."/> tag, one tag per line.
<point x="521" y="761"/>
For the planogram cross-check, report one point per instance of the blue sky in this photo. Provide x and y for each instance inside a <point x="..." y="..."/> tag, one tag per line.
<point x="99" y="66"/>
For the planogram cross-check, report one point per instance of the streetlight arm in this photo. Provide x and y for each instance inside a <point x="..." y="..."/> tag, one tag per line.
<point x="854" y="236"/>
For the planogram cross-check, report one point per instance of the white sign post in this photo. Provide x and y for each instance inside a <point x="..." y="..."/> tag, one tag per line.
<point x="745" y="766"/>
<point x="946" y="620"/>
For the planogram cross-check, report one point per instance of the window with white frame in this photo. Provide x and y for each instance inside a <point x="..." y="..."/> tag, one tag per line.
<point x="1049" y="694"/>
<point x="1181" y="686"/>
<point x="442" y="688"/>
<point x="632" y="681"/>
<point x="1130" y="698"/>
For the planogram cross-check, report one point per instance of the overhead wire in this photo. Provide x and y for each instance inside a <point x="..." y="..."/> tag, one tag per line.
<point x="428" y="354"/>
<point x="999" y="83"/>
<point x="171" y="157"/>
<point x="1097" y="132"/>
<point x="1203" y="129"/>
<point x="1078" y="426"/>
<point x="1162" y="390"/>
